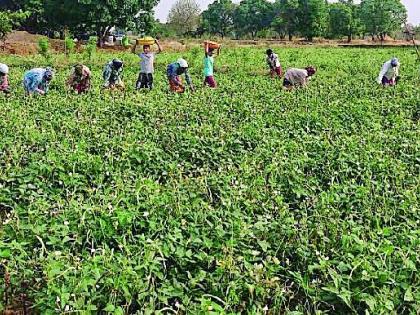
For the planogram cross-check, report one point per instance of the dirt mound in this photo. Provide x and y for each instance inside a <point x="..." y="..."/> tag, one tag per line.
<point x="24" y="43"/>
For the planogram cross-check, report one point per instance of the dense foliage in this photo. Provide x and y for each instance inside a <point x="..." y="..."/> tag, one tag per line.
<point x="305" y="18"/>
<point x="308" y="18"/>
<point x="91" y="16"/>
<point x="243" y="199"/>
<point x="10" y="20"/>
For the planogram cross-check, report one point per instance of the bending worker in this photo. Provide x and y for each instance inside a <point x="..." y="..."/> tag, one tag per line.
<point x="174" y="72"/>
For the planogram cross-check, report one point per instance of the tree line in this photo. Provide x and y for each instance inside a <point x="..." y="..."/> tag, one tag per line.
<point x="290" y="18"/>
<point x="82" y="16"/>
<point x="224" y="18"/>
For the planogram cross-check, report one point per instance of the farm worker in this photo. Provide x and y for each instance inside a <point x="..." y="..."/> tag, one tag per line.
<point x="36" y="81"/>
<point x="274" y="63"/>
<point x="147" y="62"/>
<point x="174" y="71"/>
<point x="389" y="73"/>
<point x="4" y="79"/>
<point x="113" y="75"/>
<point x="79" y="79"/>
<point x="209" y="66"/>
<point x="298" y="77"/>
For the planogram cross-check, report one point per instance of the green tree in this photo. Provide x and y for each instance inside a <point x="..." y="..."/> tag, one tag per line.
<point x="286" y="18"/>
<point x="89" y="15"/>
<point x="381" y="17"/>
<point x="9" y="21"/>
<point x="218" y="18"/>
<point x="252" y="16"/>
<point x="313" y="18"/>
<point x="184" y="16"/>
<point x="34" y="8"/>
<point x="62" y="15"/>
<point x="344" y="19"/>
<point x="100" y="16"/>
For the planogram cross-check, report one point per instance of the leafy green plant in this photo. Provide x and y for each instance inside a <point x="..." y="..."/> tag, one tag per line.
<point x="69" y="46"/>
<point x="90" y="48"/>
<point x="43" y="47"/>
<point x="241" y="200"/>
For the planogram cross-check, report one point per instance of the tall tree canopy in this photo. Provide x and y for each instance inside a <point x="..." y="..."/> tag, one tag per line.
<point x="90" y="15"/>
<point x="286" y="17"/>
<point x="312" y="17"/>
<point x="252" y="16"/>
<point x="381" y="17"/>
<point x="184" y="16"/>
<point x="344" y="19"/>
<point x="218" y="18"/>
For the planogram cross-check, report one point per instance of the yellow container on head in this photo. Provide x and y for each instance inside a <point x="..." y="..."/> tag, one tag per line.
<point x="146" y="41"/>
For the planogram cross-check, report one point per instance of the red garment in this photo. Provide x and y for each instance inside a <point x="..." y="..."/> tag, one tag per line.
<point x="277" y="71"/>
<point x="4" y="83"/>
<point x="80" y="84"/>
<point x="81" y="87"/>
<point x="175" y="85"/>
<point x="210" y="81"/>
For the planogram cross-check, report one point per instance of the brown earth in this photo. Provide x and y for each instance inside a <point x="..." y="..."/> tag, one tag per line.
<point x="23" y="43"/>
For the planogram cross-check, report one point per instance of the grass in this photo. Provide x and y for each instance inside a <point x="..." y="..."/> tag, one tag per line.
<point x="246" y="199"/>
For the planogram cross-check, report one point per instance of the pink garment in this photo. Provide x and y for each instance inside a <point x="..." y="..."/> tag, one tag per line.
<point x="86" y="74"/>
<point x="80" y="84"/>
<point x="4" y="83"/>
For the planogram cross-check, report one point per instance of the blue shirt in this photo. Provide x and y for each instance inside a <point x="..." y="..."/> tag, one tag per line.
<point x="173" y="72"/>
<point x="208" y="66"/>
<point x="112" y="75"/>
<point x="34" y="80"/>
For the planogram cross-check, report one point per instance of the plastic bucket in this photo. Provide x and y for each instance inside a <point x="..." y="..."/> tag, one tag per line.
<point x="146" y="41"/>
<point x="212" y="45"/>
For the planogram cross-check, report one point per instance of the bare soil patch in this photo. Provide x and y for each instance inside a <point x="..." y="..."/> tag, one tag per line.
<point x="24" y="43"/>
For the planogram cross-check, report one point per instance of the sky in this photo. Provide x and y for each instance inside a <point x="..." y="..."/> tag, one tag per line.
<point x="162" y="10"/>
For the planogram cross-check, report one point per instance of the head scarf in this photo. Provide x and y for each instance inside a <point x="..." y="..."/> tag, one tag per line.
<point x="311" y="70"/>
<point x="49" y="74"/>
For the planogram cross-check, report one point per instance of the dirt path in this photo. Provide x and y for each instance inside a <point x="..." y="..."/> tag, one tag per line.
<point x="23" y="43"/>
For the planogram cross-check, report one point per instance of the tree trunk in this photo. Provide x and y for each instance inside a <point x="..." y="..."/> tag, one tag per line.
<point x="382" y="37"/>
<point x="349" y="38"/>
<point x="290" y="37"/>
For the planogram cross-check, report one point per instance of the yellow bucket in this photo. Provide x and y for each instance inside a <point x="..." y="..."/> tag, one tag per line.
<point x="146" y="41"/>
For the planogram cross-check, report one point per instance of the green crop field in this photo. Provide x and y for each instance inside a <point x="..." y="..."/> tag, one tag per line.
<point x="242" y="200"/>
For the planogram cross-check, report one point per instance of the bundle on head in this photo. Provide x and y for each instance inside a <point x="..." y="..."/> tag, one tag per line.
<point x="49" y="74"/>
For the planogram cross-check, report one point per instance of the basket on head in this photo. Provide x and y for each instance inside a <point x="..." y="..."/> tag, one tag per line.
<point x="146" y="41"/>
<point x="212" y="45"/>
